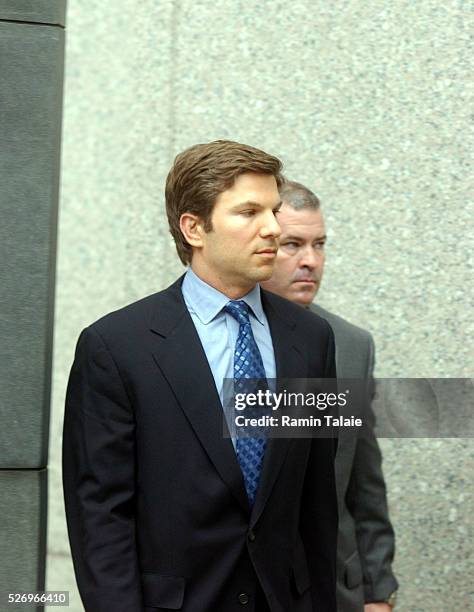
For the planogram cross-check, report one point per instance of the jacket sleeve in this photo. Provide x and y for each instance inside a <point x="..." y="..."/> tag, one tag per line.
<point x="367" y="502"/>
<point x="319" y="514"/>
<point x="98" y="480"/>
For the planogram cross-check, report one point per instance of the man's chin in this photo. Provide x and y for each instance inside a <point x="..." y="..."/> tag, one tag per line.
<point x="304" y="298"/>
<point x="263" y="273"/>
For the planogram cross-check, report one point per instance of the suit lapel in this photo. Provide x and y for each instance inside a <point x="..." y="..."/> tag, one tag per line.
<point x="290" y="363"/>
<point x="179" y="354"/>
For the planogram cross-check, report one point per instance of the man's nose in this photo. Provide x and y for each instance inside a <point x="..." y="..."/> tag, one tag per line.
<point x="271" y="226"/>
<point x="309" y="258"/>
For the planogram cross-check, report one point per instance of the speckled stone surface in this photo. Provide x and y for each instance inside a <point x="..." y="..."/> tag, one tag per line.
<point x="23" y="530"/>
<point x="368" y="104"/>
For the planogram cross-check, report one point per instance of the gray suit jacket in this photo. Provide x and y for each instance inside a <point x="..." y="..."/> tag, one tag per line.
<point x="366" y="541"/>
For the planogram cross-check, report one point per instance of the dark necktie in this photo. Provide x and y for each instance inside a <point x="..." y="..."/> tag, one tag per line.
<point x="248" y="364"/>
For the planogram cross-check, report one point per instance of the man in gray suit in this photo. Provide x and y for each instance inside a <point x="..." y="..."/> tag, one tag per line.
<point x="366" y="540"/>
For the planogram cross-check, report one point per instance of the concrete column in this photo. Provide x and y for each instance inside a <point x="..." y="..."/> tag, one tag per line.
<point x="31" y="76"/>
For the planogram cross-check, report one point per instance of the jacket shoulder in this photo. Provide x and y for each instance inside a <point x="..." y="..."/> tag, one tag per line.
<point x="141" y="314"/>
<point x="292" y="312"/>
<point x="134" y="311"/>
<point x="342" y="326"/>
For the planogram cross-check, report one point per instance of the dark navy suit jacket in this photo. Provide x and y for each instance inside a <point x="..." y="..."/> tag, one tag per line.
<point x="157" y="512"/>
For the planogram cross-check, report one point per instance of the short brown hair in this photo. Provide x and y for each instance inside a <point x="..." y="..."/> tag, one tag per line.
<point x="298" y="196"/>
<point x="200" y="173"/>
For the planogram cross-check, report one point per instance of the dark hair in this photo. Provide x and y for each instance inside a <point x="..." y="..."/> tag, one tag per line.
<point x="298" y="196"/>
<point x="200" y="173"/>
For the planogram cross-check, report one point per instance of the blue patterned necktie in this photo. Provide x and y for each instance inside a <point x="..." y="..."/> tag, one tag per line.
<point x="248" y="364"/>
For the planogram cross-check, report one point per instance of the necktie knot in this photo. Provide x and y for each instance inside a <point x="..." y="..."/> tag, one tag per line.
<point x="239" y="310"/>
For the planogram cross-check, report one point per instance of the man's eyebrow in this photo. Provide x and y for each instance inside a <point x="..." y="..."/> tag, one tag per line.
<point x="290" y="237"/>
<point x="256" y="204"/>
<point x="300" y="239"/>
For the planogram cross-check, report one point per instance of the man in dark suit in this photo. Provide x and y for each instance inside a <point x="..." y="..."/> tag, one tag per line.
<point x="165" y="512"/>
<point x="366" y="539"/>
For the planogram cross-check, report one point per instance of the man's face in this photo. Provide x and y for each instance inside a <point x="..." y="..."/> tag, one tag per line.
<point x="300" y="260"/>
<point x="240" y="250"/>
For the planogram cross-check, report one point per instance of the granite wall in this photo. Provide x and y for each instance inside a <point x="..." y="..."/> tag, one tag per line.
<point x="368" y="104"/>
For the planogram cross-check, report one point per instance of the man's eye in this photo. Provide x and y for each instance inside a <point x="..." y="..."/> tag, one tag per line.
<point x="319" y="246"/>
<point x="247" y="213"/>
<point x="293" y="245"/>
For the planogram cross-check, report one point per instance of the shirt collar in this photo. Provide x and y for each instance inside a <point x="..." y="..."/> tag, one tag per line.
<point x="207" y="302"/>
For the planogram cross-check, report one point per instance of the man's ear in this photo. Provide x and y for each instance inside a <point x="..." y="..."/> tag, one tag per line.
<point x="192" y="229"/>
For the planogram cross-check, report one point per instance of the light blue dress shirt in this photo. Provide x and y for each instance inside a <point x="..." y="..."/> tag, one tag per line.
<point x="218" y="330"/>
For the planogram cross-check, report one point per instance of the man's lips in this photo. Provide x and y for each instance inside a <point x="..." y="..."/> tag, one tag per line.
<point x="267" y="251"/>
<point x="306" y="280"/>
